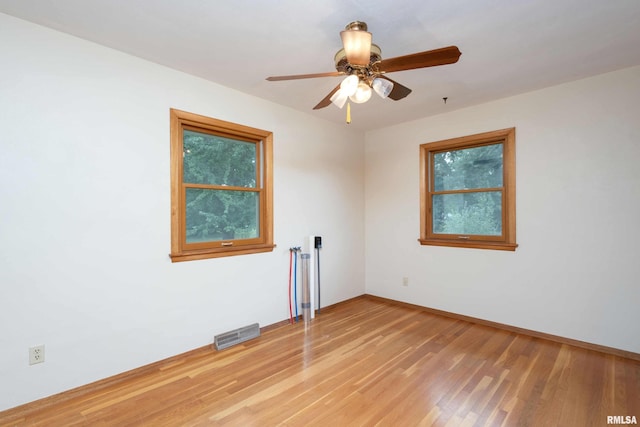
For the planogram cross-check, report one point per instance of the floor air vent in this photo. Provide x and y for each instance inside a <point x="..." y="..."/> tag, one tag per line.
<point x="236" y="336"/>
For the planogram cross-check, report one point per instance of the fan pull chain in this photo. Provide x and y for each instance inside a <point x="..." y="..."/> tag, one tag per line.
<point x="348" y="112"/>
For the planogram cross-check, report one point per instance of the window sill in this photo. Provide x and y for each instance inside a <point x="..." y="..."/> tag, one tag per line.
<point x="220" y="252"/>
<point x="500" y="246"/>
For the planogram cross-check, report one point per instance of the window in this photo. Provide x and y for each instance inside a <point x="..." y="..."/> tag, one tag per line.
<point x="468" y="190"/>
<point x="221" y="188"/>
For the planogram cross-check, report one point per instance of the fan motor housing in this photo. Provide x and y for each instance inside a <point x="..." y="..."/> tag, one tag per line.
<point x="343" y="65"/>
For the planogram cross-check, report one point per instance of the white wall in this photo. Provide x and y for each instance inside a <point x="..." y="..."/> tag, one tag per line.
<point x="576" y="272"/>
<point x="84" y="202"/>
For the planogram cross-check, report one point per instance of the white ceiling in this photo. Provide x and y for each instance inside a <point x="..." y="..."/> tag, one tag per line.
<point x="508" y="46"/>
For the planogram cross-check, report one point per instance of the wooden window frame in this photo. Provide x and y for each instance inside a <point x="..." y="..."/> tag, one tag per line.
<point x="507" y="241"/>
<point x="180" y="249"/>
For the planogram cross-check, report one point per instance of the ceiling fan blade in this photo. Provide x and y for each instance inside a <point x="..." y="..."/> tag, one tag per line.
<point x="305" y="76"/>
<point x="398" y="91"/>
<point x="327" y="99"/>
<point x="430" y="58"/>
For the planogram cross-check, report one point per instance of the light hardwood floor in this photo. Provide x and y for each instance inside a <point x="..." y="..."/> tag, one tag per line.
<point x="364" y="362"/>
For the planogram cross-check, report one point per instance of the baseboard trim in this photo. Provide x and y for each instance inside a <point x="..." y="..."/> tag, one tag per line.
<point x="555" y="338"/>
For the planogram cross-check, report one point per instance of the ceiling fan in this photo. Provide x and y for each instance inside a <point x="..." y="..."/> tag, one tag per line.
<point x="361" y="61"/>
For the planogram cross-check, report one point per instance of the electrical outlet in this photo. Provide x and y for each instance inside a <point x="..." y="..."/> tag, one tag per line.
<point x="405" y="281"/>
<point x="36" y="354"/>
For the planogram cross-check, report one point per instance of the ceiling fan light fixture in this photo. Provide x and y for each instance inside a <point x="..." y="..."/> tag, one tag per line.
<point x="357" y="43"/>
<point x="360" y="61"/>
<point x="382" y="87"/>
<point x="363" y="93"/>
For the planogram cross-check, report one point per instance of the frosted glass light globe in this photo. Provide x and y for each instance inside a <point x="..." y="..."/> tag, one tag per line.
<point x="349" y="85"/>
<point x="382" y="87"/>
<point x="362" y="94"/>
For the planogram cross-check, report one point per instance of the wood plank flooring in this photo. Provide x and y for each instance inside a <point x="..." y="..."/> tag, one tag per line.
<point x="364" y="362"/>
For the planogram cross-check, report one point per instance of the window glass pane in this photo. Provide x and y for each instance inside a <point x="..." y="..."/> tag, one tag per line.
<point x="214" y="215"/>
<point x="215" y="160"/>
<point x="470" y="168"/>
<point x="468" y="213"/>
